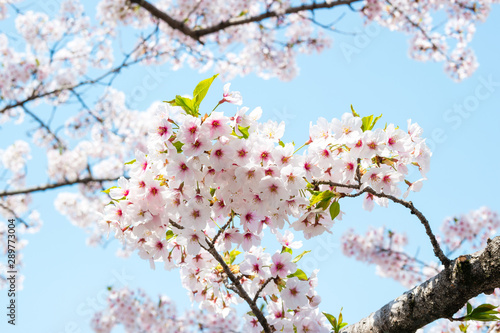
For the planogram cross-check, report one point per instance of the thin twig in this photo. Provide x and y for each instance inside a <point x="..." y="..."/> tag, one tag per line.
<point x="261" y="288"/>
<point x="237" y="284"/>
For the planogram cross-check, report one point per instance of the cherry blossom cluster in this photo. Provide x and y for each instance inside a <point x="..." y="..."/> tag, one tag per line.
<point x="121" y="130"/>
<point x="14" y="159"/>
<point x="57" y="52"/>
<point x="138" y="313"/>
<point x="474" y="227"/>
<point x="447" y="41"/>
<point x="386" y="250"/>
<point x="208" y="185"/>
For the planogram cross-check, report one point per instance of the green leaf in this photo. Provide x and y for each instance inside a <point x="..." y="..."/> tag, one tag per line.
<point x="212" y="191"/>
<point x="244" y="131"/>
<point x="369" y="122"/>
<point x="297" y="258"/>
<point x="300" y="274"/>
<point x="201" y="90"/>
<point x="281" y="143"/>
<point x="375" y="121"/>
<point x="366" y="123"/>
<point x="178" y="145"/>
<point x="131" y="162"/>
<point x="169" y="234"/>
<point x="186" y="104"/>
<point x="484" y="308"/>
<point x="484" y="312"/>
<point x="355" y="115"/>
<point x="286" y="249"/>
<point x="331" y="319"/>
<point x="322" y="196"/>
<point x="232" y="255"/>
<point x="334" y="209"/>
<point x="109" y="189"/>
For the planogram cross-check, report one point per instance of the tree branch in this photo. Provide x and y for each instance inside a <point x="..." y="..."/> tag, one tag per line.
<point x="235" y="21"/>
<point x="237" y="285"/>
<point x="408" y="204"/>
<point x="439" y="297"/>
<point x="41" y="188"/>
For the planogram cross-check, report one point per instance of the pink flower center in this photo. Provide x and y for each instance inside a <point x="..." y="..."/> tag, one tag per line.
<point x="162" y="130"/>
<point x="215" y="124"/>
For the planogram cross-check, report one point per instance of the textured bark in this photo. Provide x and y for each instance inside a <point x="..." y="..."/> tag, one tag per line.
<point x="439" y="297"/>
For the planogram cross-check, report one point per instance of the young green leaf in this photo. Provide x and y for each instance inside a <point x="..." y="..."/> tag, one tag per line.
<point x="201" y="90"/>
<point x="169" y="234"/>
<point x="366" y="123"/>
<point x="109" y="189"/>
<point x="131" y="162"/>
<point x="300" y="274"/>
<point x="484" y="312"/>
<point x="331" y="319"/>
<point x="186" y="104"/>
<point x="232" y="255"/>
<point x="178" y="145"/>
<point x="354" y="112"/>
<point x="322" y="196"/>
<point x="375" y="121"/>
<point x="334" y="209"/>
<point x="297" y="258"/>
<point x="244" y="131"/>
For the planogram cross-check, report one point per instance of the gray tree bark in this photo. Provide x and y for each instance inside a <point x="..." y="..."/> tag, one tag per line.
<point x="439" y="297"/>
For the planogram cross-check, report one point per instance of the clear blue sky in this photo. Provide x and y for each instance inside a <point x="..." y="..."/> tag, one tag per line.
<point x="65" y="279"/>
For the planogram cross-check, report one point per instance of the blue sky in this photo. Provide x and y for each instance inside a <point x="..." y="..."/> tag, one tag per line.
<point x="66" y="280"/>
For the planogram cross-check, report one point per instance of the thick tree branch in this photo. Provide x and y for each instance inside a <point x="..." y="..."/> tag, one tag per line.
<point x="439" y="297"/>
<point x="198" y="33"/>
<point x="41" y="188"/>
